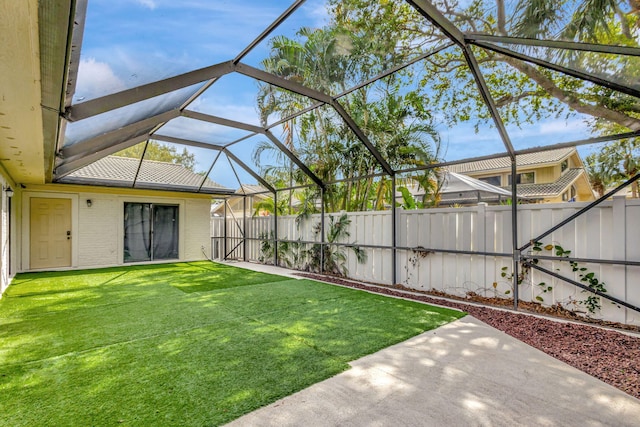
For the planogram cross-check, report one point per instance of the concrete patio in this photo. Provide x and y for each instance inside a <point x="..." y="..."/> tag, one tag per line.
<point x="464" y="373"/>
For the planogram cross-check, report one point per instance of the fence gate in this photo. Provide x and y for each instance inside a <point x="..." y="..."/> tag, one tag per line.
<point x="233" y="244"/>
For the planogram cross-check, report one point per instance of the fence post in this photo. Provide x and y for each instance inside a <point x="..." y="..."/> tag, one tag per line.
<point x="618" y="284"/>
<point x="394" y="252"/>
<point x="514" y="231"/>
<point x="275" y="228"/>
<point x="481" y="241"/>
<point x="244" y="228"/>
<point x="224" y="224"/>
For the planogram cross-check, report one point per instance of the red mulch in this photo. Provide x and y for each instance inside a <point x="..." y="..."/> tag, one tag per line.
<point x="606" y="354"/>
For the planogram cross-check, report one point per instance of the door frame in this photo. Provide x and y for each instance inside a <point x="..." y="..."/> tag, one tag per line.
<point x="26" y="226"/>
<point x="182" y="221"/>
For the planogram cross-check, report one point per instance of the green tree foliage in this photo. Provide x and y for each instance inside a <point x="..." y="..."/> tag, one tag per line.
<point x="600" y="174"/>
<point x="154" y="150"/>
<point x="392" y="116"/>
<point x="364" y="38"/>
<point x="524" y="93"/>
<point x="613" y="164"/>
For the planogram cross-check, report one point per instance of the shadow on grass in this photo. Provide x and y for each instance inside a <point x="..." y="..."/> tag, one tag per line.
<point x="125" y="346"/>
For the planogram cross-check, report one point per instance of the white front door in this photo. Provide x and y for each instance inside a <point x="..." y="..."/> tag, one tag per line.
<point x="50" y="233"/>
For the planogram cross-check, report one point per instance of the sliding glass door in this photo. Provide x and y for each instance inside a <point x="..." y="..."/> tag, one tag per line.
<point x="150" y="232"/>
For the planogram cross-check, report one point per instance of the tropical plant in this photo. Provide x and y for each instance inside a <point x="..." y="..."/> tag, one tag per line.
<point x="599" y="172"/>
<point x="408" y="201"/>
<point x="623" y="159"/>
<point x="288" y="252"/>
<point x="330" y="257"/>
<point x="392" y="116"/>
<point x="333" y="254"/>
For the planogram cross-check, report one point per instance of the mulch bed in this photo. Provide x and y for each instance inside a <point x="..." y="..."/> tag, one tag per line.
<point x="606" y="354"/>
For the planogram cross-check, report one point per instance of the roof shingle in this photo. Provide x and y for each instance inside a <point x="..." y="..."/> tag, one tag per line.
<point x="540" y="158"/>
<point x="552" y="189"/>
<point x="122" y="170"/>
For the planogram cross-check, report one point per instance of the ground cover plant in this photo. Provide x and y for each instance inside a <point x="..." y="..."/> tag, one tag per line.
<point x="181" y="344"/>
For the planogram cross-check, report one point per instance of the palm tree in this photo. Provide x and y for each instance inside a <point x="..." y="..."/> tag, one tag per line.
<point x="600" y="175"/>
<point x="388" y="112"/>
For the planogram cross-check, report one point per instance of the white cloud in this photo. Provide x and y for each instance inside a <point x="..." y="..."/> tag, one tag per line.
<point x="559" y="126"/>
<point x="150" y="4"/>
<point x="95" y="79"/>
<point x="318" y="14"/>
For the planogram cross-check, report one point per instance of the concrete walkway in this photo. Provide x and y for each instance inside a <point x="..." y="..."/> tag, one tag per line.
<point x="465" y="373"/>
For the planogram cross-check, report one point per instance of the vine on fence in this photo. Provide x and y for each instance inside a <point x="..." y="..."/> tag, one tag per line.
<point x="418" y="253"/>
<point x="592" y="302"/>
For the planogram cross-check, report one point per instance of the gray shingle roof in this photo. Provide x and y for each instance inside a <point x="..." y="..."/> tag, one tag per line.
<point x="541" y="158"/>
<point x="115" y="170"/>
<point x="552" y="189"/>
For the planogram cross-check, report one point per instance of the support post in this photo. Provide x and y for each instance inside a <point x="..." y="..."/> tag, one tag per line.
<point x="321" y="230"/>
<point x="244" y="228"/>
<point x="619" y="280"/>
<point x="394" y="252"/>
<point x="514" y="231"/>
<point x="224" y="241"/>
<point x="275" y="228"/>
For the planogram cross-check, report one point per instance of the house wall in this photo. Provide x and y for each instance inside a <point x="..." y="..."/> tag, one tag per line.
<point x="547" y="174"/>
<point x="7" y="247"/>
<point x="543" y="175"/>
<point x="98" y="230"/>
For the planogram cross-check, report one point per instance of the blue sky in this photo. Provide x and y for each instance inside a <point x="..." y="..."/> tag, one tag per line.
<point x="132" y="42"/>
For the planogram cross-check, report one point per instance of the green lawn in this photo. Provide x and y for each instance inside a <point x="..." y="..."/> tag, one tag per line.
<point x="181" y="344"/>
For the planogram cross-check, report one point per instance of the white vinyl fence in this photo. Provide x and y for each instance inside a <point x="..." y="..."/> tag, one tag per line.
<point x="610" y="231"/>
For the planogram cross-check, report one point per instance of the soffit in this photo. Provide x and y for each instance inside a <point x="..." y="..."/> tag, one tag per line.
<point x="21" y="135"/>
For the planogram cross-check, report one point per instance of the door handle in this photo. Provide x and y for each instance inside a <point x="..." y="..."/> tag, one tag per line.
<point x="68" y="234"/>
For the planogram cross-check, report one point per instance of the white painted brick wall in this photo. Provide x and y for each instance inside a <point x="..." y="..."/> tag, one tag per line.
<point x="99" y="229"/>
<point x="196" y="225"/>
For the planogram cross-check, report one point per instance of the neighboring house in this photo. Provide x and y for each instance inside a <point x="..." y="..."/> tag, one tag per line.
<point x="236" y="205"/>
<point x="544" y="177"/>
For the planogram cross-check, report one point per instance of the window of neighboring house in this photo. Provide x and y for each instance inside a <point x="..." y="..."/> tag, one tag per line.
<point x="564" y="165"/>
<point x="493" y="180"/>
<point x="570" y="195"/>
<point x="524" y="178"/>
<point x="150" y="232"/>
